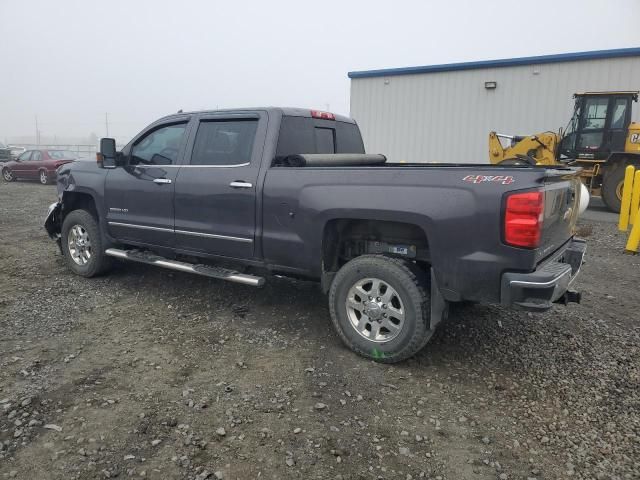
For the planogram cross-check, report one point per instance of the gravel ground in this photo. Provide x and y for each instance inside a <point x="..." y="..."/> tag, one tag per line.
<point x="148" y="373"/>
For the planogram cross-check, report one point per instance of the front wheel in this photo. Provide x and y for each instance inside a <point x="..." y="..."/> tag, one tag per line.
<point x="380" y="308"/>
<point x="612" y="183"/>
<point x="7" y="175"/>
<point x="82" y="244"/>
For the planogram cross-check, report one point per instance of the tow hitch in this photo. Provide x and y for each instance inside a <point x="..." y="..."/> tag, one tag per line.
<point x="570" y="296"/>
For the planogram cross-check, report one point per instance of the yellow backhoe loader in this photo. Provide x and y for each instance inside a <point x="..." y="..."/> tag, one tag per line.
<point x="600" y="137"/>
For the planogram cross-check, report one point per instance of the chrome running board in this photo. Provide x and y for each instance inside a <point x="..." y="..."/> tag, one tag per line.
<point x="206" y="270"/>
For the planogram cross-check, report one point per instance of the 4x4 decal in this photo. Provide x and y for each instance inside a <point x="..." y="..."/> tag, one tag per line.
<point x="503" y="179"/>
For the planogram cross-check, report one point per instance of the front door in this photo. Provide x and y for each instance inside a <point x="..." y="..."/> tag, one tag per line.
<point x="216" y="188"/>
<point x="618" y="124"/>
<point x="139" y="196"/>
<point x="22" y="165"/>
<point x="591" y="137"/>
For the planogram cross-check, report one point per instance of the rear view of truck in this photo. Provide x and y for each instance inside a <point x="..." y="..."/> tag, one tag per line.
<point x="543" y="220"/>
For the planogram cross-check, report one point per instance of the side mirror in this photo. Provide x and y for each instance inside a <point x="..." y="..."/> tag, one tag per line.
<point x="107" y="155"/>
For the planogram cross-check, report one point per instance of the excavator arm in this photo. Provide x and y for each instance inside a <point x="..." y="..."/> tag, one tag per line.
<point x="542" y="147"/>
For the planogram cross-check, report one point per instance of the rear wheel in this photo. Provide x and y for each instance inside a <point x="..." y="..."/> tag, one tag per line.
<point x="7" y="175"/>
<point x="380" y="308"/>
<point x="44" y="177"/>
<point x="82" y="244"/>
<point x="612" y="183"/>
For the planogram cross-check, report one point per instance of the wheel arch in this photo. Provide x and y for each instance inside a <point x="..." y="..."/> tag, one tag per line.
<point x="78" y="200"/>
<point x="345" y="238"/>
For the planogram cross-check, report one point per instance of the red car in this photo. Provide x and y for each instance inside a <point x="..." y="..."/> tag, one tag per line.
<point x="40" y="164"/>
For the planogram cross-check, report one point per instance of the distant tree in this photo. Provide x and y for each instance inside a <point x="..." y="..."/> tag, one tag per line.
<point x="92" y="139"/>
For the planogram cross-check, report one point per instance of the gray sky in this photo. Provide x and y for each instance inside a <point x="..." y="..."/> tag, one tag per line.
<point x="70" y="61"/>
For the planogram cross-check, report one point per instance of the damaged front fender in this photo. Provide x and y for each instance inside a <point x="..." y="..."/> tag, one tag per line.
<point x="53" y="223"/>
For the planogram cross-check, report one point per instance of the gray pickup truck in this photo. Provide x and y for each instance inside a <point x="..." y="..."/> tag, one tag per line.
<point x="241" y="194"/>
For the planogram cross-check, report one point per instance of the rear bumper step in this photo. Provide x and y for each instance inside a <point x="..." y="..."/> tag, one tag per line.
<point x="207" y="271"/>
<point x="550" y="283"/>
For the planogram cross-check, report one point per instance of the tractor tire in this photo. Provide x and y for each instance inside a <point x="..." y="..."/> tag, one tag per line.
<point x="612" y="182"/>
<point x="380" y="307"/>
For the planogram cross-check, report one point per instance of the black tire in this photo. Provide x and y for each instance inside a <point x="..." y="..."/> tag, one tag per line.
<point x="612" y="180"/>
<point x="7" y="175"/>
<point x="411" y="286"/>
<point x="98" y="262"/>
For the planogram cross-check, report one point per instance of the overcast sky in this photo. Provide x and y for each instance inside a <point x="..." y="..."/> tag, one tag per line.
<point x="70" y="61"/>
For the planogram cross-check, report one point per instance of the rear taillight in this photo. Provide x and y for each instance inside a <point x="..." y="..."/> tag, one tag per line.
<point x="322" y="115"/>
<point x="523" y="219"/>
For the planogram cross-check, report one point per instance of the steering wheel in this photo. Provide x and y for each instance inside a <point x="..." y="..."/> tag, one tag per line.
<point x="169" y="152"/>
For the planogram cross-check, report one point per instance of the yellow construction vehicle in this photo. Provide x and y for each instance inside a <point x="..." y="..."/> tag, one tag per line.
<point x="600" y="137"/>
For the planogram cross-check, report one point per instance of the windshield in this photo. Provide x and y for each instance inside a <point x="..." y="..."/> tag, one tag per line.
<point x="62" y="154"/>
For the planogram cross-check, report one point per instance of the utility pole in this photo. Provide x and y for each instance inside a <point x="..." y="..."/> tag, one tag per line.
<point x="106" y="122"/>
<point x="37" y="132"/>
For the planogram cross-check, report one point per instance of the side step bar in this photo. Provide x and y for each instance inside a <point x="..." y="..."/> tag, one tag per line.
<point x="207" y="271"/>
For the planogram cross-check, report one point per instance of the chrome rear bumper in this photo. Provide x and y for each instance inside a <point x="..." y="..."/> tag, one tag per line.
<point x="549" y="283"/>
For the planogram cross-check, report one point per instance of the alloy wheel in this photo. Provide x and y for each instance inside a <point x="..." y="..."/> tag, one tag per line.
<point x="79" y="245"/>
<point x="375" y="310"/>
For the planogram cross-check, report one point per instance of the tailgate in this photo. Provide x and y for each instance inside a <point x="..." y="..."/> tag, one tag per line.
<point x="561" y="205"/>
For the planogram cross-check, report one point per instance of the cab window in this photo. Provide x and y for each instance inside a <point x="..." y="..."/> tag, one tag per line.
<point x="224" y="142"/>
<point x="159" y="147"/>
<point x="596" y="113"/>
<point x="619" y="113"/>
<point x="36" y="155"/>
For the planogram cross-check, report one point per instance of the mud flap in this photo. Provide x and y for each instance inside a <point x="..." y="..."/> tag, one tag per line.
<point x="439" y="306"/>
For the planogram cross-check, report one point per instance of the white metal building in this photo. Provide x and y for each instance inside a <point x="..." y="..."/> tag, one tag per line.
<point x="444" y="113"/>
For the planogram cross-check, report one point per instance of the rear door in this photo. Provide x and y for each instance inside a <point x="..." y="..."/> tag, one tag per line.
<point x="36" y="163"/>
<point x="215" y="196"/>
<point x="139" y="197"/>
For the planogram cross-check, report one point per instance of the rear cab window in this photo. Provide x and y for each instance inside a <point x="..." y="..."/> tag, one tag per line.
<point x="305" y="135"/>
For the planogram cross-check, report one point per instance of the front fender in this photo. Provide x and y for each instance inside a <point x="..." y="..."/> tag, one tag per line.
<point x="53" y="223"/>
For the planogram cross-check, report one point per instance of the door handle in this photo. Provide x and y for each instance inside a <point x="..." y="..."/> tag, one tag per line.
<point x="161" y="180"/>
<point x="239" y="184"/>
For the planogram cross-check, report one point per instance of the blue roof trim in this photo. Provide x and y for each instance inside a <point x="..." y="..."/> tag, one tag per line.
<point x="505" y="62"/>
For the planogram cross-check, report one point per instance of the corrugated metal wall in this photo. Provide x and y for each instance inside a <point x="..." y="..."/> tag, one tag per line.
<point x="447" y="116"/>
